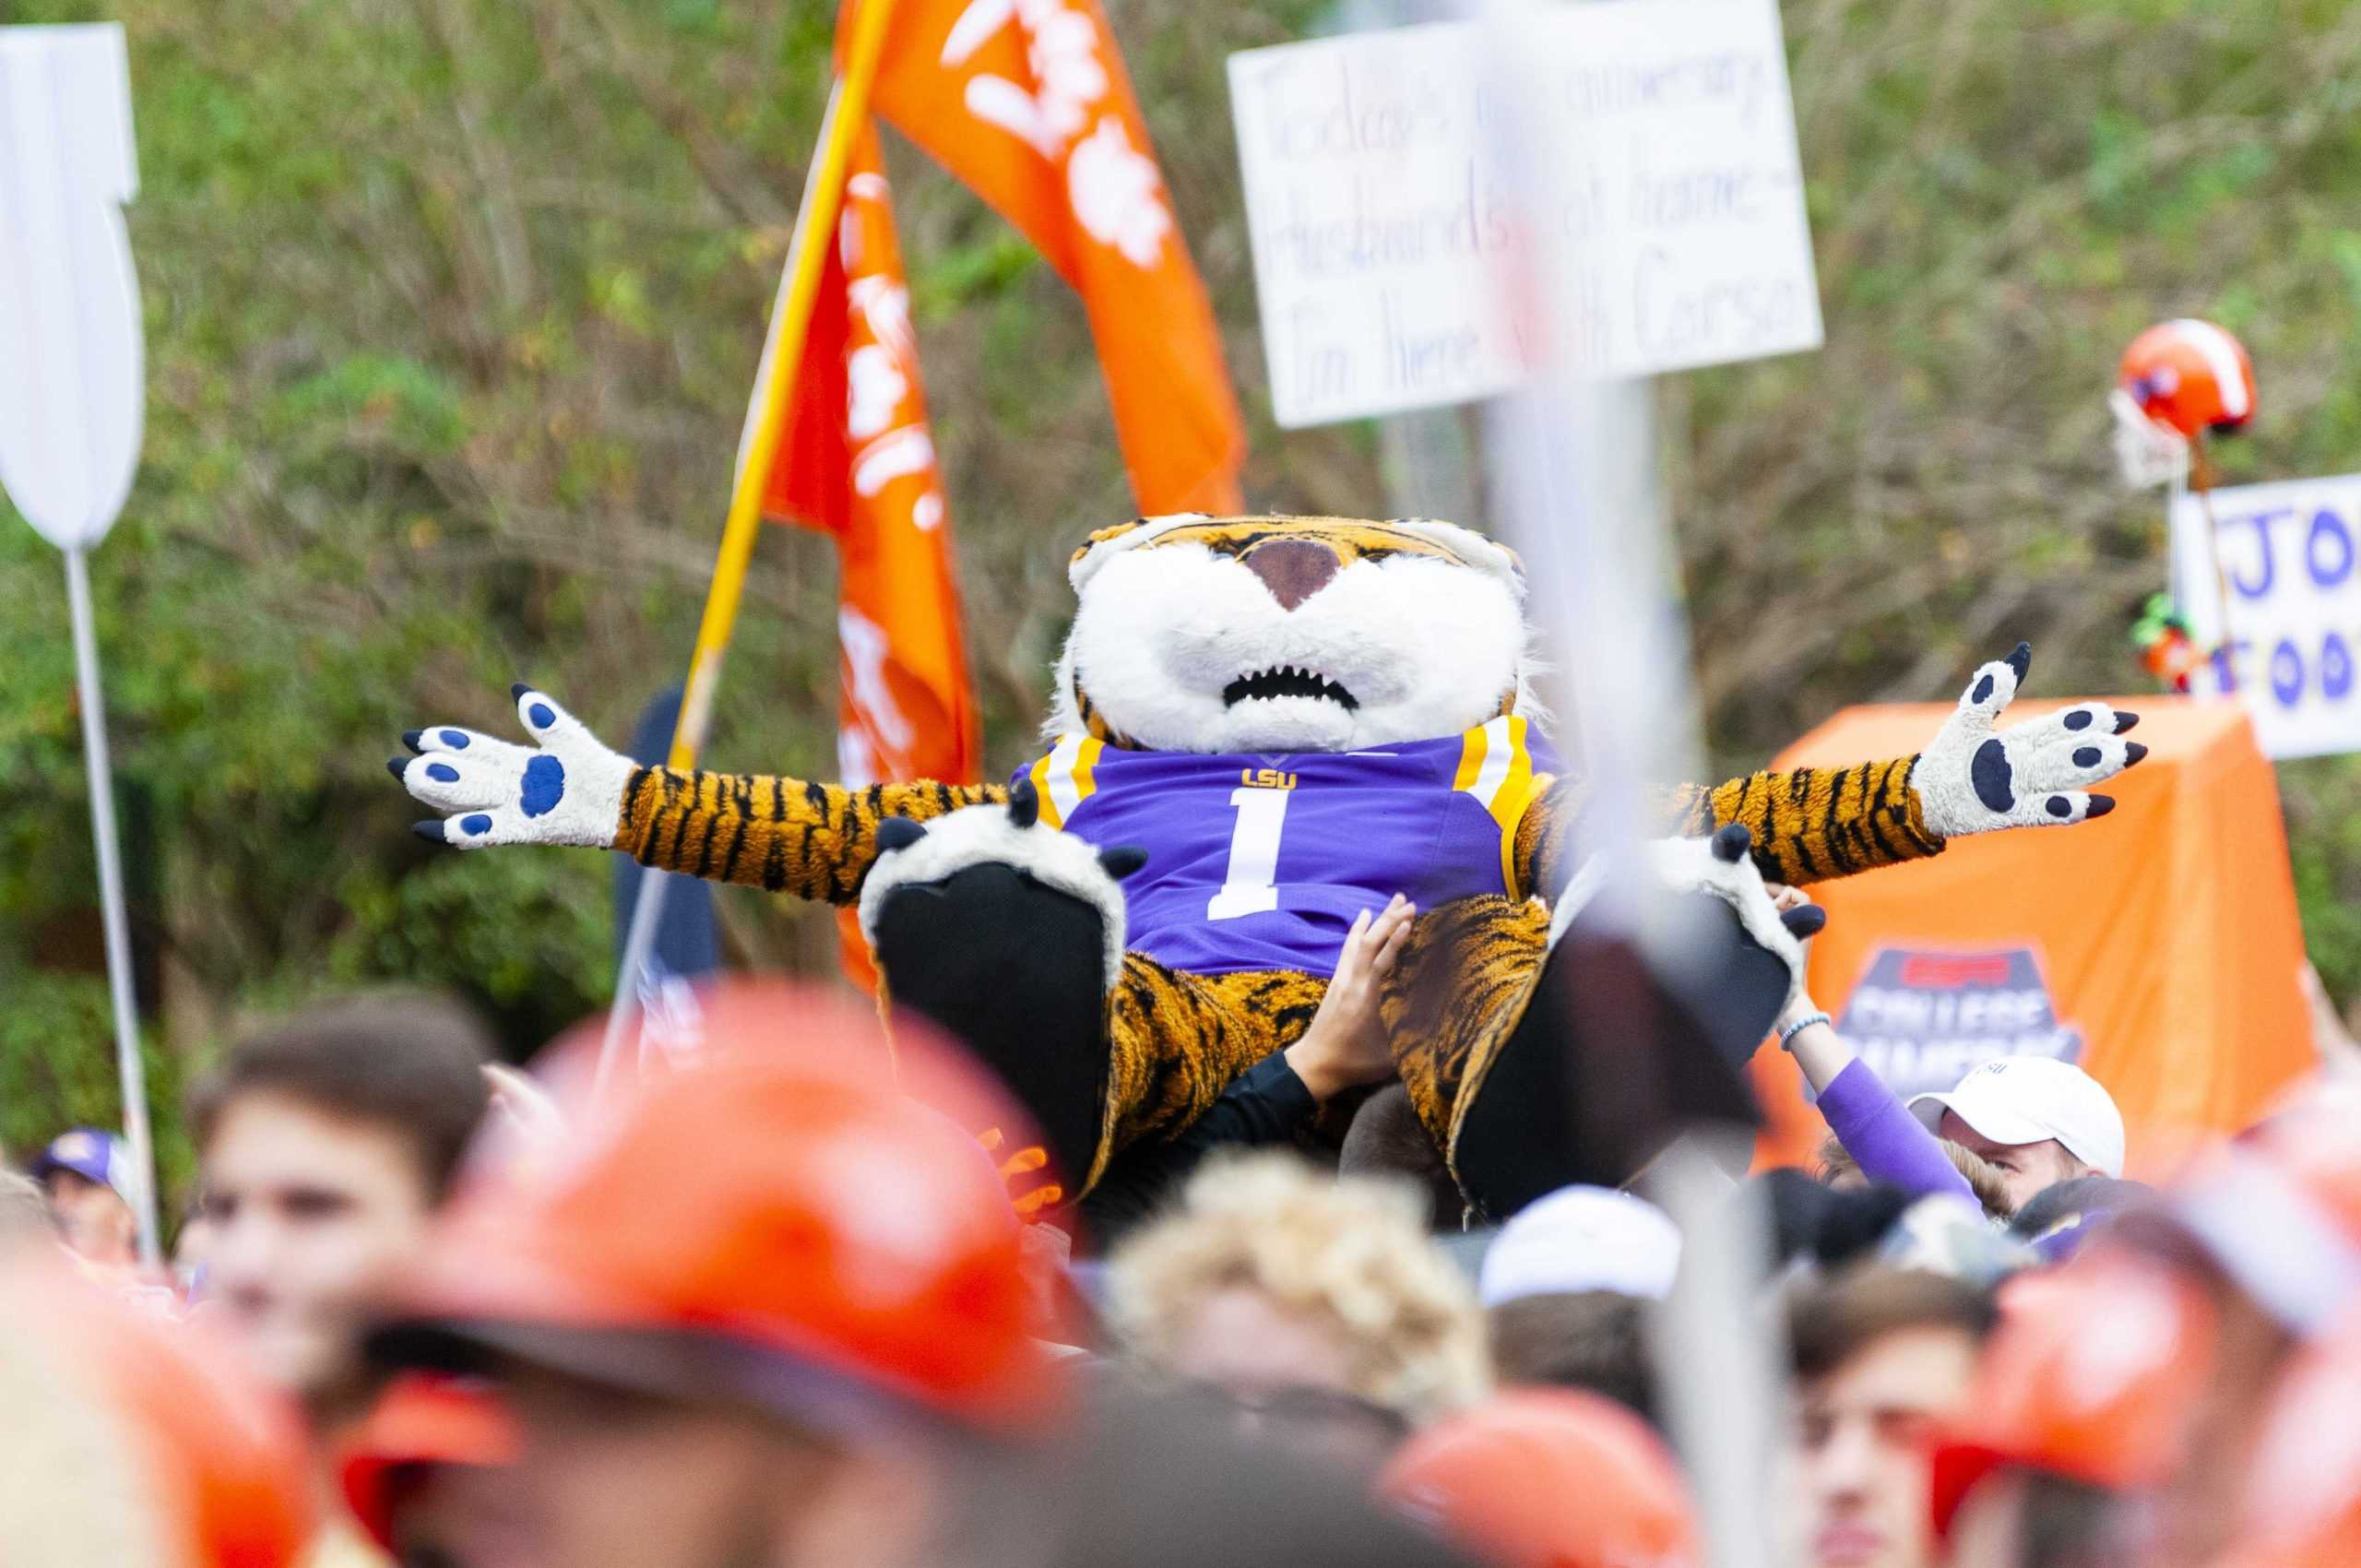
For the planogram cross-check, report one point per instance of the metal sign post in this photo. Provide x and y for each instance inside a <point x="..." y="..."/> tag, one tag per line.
<point x="72" y="403"/>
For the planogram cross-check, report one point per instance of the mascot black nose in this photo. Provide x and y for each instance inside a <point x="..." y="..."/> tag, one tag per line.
<point x="1293" y="569"/>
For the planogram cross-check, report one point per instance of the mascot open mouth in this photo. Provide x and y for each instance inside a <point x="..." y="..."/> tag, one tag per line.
<point x="1286" y="681"/>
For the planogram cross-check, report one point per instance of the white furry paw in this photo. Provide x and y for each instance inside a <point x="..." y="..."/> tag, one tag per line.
<point x="2036" y="774"/>
<point x="912" y="852"/>
<point x="566" y="788"/>
<point x="1723" y="867"/>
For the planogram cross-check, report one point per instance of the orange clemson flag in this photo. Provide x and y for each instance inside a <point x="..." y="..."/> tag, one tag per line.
<point x="857" y="460"/>
<point x="1027" y="102"/>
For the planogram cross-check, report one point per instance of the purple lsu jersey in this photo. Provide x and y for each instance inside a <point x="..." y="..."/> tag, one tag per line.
<point x="1262" y="862"/>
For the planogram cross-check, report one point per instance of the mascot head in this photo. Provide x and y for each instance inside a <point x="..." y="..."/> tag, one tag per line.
<point x="1199" y="633"/>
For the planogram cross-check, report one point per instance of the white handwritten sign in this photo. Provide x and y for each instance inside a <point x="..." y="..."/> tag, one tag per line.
<point x="1389" y="236"/>
<point x="2275" y="587"/>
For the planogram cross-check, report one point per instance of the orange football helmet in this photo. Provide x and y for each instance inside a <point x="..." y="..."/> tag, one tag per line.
<point x="2190" y="377"/>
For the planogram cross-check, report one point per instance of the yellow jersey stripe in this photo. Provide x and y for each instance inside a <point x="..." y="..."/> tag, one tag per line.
<point x="1066" y="777"/>
<point x="1471" y="747"/>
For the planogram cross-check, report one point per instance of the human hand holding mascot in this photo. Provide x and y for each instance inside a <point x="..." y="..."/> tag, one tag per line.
<point x="1261" y="728"/>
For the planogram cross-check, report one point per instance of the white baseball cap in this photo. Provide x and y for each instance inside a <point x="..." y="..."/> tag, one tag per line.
<point x="1581" y="1239"/>
<point x="2026" y="1099"/>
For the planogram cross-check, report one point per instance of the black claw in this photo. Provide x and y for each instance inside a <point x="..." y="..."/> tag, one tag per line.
<point x="2124" y="722"/>
<point x="1732" y="842"/>
<point x="430" y="830"/>
<point x="2132" y="752"/>
<point x="2021" y="660"/>
<point x="518" y="689"/>
<point x="897" y="833"/>
<point x="395" y="765"/>
<point x="2100" y="807"/>
<point x="1121" y="860"/>
<point x="1023" y="803"/>
<point x="411" y="738"/>
<point x="1806" y="922"/>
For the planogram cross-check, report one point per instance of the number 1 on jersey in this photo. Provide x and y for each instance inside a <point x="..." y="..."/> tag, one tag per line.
<point x="1248" y="887"/>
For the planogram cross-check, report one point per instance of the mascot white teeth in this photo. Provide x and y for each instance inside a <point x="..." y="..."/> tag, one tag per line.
<point x="1261" y="728"/>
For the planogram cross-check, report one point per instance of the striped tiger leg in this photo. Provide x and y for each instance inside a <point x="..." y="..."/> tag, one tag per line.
<point x="1467" y="974"/>
<point x="1179" y="1039"/>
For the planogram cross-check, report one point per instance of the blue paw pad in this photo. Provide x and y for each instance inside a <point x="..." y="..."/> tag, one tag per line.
<point x="476" y="824"/>
<point x="2079" y="720"/>
<point x="1983" y="690"/>
<point x="1992" y="777"/>
<point x="2060" y="806"/>
<point x="540" y="715"/>
<point x="442" y="773"/>
<point x="544" y="786"/>
<point x="455" y="738"/>
<point x="2086" y="756"/>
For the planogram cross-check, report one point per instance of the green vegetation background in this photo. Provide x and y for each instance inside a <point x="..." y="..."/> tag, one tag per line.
<point x="452" y="306"/>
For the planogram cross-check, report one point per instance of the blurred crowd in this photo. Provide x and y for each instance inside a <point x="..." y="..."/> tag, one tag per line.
<point x="774" y="1300"/>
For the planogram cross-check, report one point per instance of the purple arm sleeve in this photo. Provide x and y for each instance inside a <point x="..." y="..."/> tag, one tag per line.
<point x="1884" y="1139"/>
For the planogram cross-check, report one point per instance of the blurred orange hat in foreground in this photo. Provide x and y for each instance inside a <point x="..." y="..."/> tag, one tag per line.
<point x="2093" y="1375"/>
<point x="796" y="1215"/>
<point x="2304" y="1494"/>
<point x="133" y="1438"/>
<point x="1548" y="1478"/>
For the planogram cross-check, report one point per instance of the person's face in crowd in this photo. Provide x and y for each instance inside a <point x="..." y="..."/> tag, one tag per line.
<point x="92" y="1217"/>
<point x="1287" y="1374"/>
<point x="1863" y="1448"/>
<point x="313" y="1216"/>
<point x="610" y="1479"/>
<point x="2025" y="1168"/>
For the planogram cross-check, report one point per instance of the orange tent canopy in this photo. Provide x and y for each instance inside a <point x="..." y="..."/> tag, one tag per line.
<point x="2158" y="947"/>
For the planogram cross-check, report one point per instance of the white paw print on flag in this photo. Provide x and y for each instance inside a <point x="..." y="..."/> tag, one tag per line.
<point x="1116" y="194"/>
<point x="1062" y="54"/>
<point x="874" y="389"/>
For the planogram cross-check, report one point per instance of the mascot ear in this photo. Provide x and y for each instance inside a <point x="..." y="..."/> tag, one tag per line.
<point x="1471" y="547"/>
<point x="1107" y="543"/>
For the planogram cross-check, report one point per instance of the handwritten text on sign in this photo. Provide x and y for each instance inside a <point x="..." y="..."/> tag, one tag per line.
<point x="2283" y="609"/>
<point x="1388" y="233"/>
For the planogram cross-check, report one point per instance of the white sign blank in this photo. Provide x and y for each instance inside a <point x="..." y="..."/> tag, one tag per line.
<point x="1397" y="269"/>
<point x="73" y="395"/>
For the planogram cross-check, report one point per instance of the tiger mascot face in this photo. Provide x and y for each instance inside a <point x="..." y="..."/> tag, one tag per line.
<point x="1257" y="634"/>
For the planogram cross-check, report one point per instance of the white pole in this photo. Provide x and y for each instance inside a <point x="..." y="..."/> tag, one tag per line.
<point x="118" y="930"/>
<point x="647" y="913"/>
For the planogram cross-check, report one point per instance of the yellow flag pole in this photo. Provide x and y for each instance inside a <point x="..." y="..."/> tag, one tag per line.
<point x="782" y="356"/>
<point x="799" y="293"/>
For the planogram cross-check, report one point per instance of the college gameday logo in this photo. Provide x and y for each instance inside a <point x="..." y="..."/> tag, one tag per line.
<point x="1924" y="1020"/>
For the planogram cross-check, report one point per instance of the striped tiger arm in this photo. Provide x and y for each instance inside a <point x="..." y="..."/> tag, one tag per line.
<point x="1809" y="823"/>
<point x="781" y="835"/>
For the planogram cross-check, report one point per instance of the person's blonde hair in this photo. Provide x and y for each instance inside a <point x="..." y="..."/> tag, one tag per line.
<point x="1349" y="1251"/>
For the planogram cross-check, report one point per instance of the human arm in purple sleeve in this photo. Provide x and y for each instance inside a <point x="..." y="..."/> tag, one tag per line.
<point x="1876" y="1128"/>
<point x="1884" y="1139"/>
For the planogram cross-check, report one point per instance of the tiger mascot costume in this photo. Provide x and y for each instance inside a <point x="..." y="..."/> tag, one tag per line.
<point x="1261" y="728"/>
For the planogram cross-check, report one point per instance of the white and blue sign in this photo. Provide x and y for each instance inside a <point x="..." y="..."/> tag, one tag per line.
<point x="2276" y="591"/>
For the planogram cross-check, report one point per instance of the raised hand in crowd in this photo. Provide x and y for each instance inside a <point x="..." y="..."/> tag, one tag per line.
<point x="1345" y="1046"/>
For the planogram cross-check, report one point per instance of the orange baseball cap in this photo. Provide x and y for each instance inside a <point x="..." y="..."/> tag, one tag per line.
<point x="1548" y="1478"/>
<point x="218" y="1459"/>
<point x="2092" y="1374"/>
<point x="801" y="1217"/>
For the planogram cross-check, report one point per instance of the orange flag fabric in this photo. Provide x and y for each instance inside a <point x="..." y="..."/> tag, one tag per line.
<point x="2158" y="948"/>
<point x="857" y="461"/>
<point x="1027" y="102"/>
